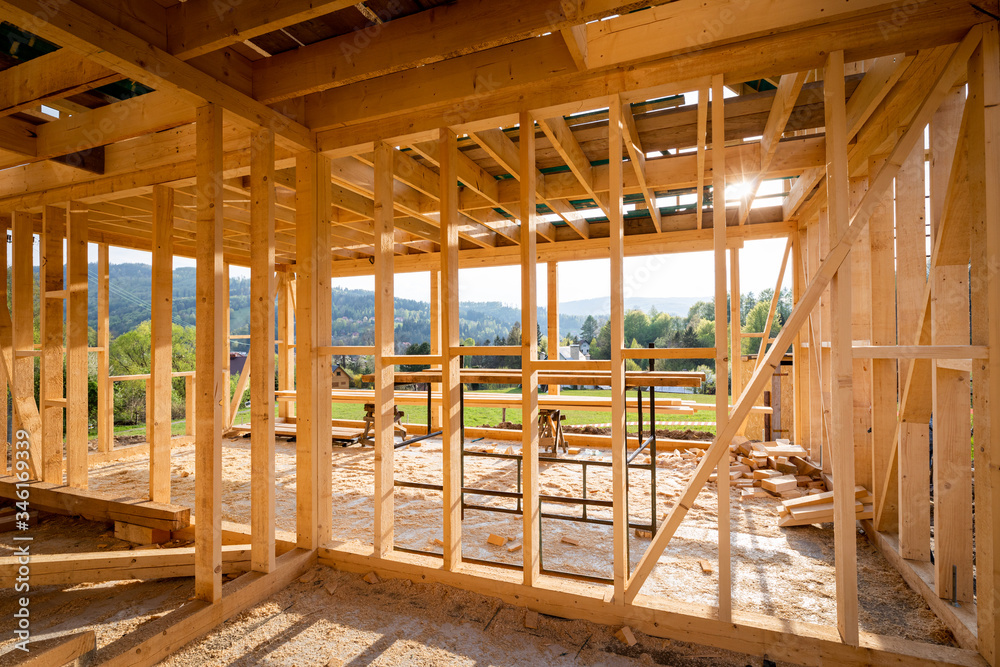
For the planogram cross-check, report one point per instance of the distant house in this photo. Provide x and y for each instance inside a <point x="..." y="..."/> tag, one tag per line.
<point x="341" y="379"/>
<point x="236" y="363"/>
<point x="574" y="352"/>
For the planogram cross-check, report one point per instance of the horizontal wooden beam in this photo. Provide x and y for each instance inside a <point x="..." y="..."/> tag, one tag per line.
<point x="921" y="352"/>
<point x="415" y="104"/>
<point x="110" y="45"/>
<point x="402" y="43"/>
<point x="201" y="26"/>
<point x="58" y="74"/>
<point x="669" y="353"/>
<point x="636" y="245"/>
<point x="68" y="569"/>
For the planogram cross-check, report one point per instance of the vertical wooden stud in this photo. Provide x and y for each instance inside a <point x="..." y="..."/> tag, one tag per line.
<point x="262" y="512"/>
<point x="76" y="346"/>
<point x="227" y="344"/>
<point x="384" y="346"/>
<point x="721" y="351"/>
<point x="619" y="437"/>
<point x="312" y="216"/>
<point x="286" y="331"/>
<point x="437" y="410"/>
<point x="210" y="357"/>
<point x="447" y="284"/>
<point x="162" y="343"/>
<point x="984" y="169"/>
<point x="841" y="356"/>
<point x="883" y="332"/>
<point x="51" y="331"/>
<point x="105" y="395"/>
<point x="552" y="314"/>
<point x="529" y="350"/>
<point x="800" y="355"/>
<point x="22" y="283"/>
<point x="913" y="478"/>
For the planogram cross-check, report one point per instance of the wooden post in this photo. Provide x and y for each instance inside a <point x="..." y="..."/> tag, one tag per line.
<point x="531" y="531"/>
<point x="51" y="331"/>
<point x="76" y="346"/>
<point x="262" y="350"/>
<point x="286" y="331"/>
<point x="6" y="448"/>
<point x="950" y="325"/>
<point x="841" y="357"/>
<point x="190" y="417"/>
<point x="735" y="323"/>
<point x="312" y="216"/>
<point x="209" y="356"/>
<point x="984" y="169"/>
<point x="384" y="347"/>
<point x="22" y="284"/>
<point x="913" y="456"/>
<point x="619" y="451"/>
<point x="800" y="356"/>
<point x="437" y="411"/>
<point x="861" y="329"/>
<point x="883" y="332"/>
<point x="227" y="345"/>
<point x="149" y="411"/>
<point x="445" y="282"/>
<point x="162" y="343"/>
<point x="952" y="469"/>
<point x="721" y="351"/>
<point x="826" y="336"/>
<point x="105" y="395"/>
<point x="552" y="313"/>
<point x="817" y="419"/>
<point x="321" y="361"/>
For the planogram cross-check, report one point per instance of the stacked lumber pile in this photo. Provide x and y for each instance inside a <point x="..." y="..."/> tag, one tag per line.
<point x="772" y="469"/>
<point x="818" y="508"/>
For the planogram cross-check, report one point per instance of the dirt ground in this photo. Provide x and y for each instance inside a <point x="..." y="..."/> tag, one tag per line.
<point x="787" y="573"/>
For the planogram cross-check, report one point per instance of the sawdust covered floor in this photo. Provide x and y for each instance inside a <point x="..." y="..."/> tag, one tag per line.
<point x="113" y="610"/>
<point x="336" y="619"/>
<point x="783" y="572"/>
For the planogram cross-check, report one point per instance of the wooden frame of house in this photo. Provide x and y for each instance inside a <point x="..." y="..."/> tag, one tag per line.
<point x="379" y="151"/>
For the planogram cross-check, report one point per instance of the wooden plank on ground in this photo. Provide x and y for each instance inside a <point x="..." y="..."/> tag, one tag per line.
<point x="62" y="650"/>
<point x="197" y="618"/>
<point x="98" y="505"/>
<point x="68" y="569"/>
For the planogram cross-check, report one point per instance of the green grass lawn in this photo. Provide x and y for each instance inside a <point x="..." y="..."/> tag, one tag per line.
<point x="417" y="414"/>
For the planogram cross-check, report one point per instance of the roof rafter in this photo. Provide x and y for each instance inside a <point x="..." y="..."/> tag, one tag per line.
<point x="77" y="28"/>
<point x="789" y="88"/>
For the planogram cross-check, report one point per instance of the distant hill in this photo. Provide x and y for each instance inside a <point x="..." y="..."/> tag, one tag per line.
<point x="353" y="309"/>
<point x="678" y="306"/>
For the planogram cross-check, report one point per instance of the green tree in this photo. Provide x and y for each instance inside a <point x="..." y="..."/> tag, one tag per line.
<point x="637" y="327"/>
<point x="589" y="328"/>
<point x="755" y="323"/>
